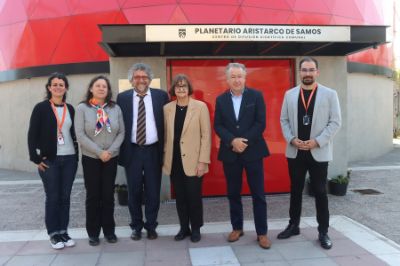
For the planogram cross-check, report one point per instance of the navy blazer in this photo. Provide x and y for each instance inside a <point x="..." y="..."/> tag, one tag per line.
<point x="250" y="125"/>
<point x="125" y="101"/>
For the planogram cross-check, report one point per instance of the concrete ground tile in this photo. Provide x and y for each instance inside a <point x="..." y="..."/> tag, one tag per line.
<point x="391" y="259"/>
<point x="223" y="255"/>
<point x="165" y="257"/>
<point x="165" y="242"/>
<point x="3" y="259"/>
<point x="312" y="233"/>
<point x="124" y="245"/>
<point x="208" y="240"/>
<point x="254" y="254"/>
<point x="269" y="263"/>
<point x="299" y="250"/>
<point x="345" y="247"/>
<point x="38" y="247"/>
<point x="122" y="258"/>
<point x="10" y="248"/>
<point x="313" y="262"/>
<point x="83" y="259"/>
<point x="362" y="260"/>
<point x="249" y="238"/>
<point x="81" y="246"/>
<point x="37" y="260"/>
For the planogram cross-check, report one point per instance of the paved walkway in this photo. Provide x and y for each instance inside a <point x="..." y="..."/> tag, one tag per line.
<point x="364" y="228"/>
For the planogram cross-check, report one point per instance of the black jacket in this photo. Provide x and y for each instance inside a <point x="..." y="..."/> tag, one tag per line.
<point x="42" y="134"/>
<point x="250" y="125"/>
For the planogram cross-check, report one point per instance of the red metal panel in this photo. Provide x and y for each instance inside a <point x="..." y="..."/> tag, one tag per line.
<point x="178" y="17"/>
<point x="210" y="13"/>
<point x="149" y="14"/>
<point x="92" y="6"/>
<point x="257" y="15"/>
<point x="11" y="12"/>
<point x="146" y="3"/>
<point x="10" y="36"/>
<point x="44" y="9"/>
<point x="273" y="78"/>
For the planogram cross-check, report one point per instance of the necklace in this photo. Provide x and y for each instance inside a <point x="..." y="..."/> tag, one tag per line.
<point x="181" y="108"/>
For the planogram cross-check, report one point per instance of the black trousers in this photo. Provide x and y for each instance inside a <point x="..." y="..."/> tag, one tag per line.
<point x="144" y="176"/>
<point x="99" y="183"/>
<point x="189" y="204"/>
<point x="318" y="171"/>
<point x="255" y="179"/>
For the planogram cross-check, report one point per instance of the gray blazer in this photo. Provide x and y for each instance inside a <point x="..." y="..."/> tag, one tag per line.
<point x="325" y="123"/>
<point x="85" y="124"/>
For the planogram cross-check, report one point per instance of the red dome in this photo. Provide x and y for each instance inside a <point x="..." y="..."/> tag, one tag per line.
<point x="46" y="32"/>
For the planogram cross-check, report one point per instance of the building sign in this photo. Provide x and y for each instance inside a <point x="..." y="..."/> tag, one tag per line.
<point x="245" y="33"/>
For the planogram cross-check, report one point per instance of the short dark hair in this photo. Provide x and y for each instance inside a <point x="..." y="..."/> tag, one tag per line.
<point x="48" y="84"/>
<point x="308" y="59"/>
<point x="89" y="94"/>
<point x="178" y="79"/>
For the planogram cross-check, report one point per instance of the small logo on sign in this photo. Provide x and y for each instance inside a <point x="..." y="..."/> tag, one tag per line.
<point x="182" y="33"/>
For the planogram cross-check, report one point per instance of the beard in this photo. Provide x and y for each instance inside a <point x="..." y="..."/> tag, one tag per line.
<point x="308" y="80"/>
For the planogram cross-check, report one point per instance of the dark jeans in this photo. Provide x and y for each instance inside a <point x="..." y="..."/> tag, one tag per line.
<point x="189" y="204"/>
<point x="99" y="183"/>
<point x="318" y="171"/>
<point x="144" y="175"/>
<point x="255" y="179"/>
<point x="57" y="181"/>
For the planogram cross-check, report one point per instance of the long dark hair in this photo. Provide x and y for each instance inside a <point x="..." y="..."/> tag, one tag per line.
<point x="89" y="94"/>
<point x="58" y="76"/>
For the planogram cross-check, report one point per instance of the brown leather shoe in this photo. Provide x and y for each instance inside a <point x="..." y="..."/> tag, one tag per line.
<point x="235" y="235"/>
<point x="264" y="242"/>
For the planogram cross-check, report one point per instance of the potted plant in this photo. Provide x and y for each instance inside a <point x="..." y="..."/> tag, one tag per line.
<point x="338" y="185"/>
<point x="122" y="194"/>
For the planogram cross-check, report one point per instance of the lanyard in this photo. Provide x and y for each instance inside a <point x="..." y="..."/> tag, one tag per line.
<point x="59" y="124"/>
<point x="309" y="98"/>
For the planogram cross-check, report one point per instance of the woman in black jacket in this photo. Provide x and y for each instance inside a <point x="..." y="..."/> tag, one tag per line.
<point x="53" y="147"/>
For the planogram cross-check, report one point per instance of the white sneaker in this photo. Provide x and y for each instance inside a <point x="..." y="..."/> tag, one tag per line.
<point x="56" y="242"/>
<point x="67" y="241"/>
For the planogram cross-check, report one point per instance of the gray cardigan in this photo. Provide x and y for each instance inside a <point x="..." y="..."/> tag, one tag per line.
<point x="85" y="124"/>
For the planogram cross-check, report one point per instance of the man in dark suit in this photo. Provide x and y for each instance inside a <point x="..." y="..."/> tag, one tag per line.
<point x="142" y="149"/>
<point x="240" y="122"/>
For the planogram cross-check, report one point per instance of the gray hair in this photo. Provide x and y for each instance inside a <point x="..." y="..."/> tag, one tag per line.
<point x="140" y="66"/>
<point x="235" y="65"/>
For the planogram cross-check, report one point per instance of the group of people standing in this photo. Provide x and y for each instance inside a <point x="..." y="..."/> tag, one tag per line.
<point x="148" y="134"/>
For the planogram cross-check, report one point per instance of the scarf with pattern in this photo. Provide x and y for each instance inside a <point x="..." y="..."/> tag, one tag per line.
<point x="102" y="117"/>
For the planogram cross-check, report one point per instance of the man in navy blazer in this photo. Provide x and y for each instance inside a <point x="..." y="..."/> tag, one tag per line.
<point x="310" y="118"/>
<point x="143" y="161"/>
<point x="239" y="121"/>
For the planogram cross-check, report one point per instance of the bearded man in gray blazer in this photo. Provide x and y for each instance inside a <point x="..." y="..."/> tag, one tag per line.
<point x="310" y="118"/>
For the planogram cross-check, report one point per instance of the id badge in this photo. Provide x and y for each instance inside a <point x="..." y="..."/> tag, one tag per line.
<point x="60" y="139"/>
<point x="306" y="120"/>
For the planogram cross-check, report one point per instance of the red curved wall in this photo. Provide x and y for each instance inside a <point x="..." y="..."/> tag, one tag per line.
<point x="46" y="32"/>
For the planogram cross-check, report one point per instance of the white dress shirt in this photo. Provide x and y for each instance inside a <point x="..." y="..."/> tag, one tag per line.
<point x="151" y="129"/>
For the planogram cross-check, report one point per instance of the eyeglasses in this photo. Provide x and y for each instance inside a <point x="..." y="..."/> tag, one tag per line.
<point x="141" y="77"/>
<point x="309" y="70"/>
<point x="181" y="87"/>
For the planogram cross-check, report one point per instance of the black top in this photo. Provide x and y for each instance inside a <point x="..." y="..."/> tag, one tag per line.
<point x="305" y="130"/>
<point x="42" y="134"/>
<point x="180" y="115"/>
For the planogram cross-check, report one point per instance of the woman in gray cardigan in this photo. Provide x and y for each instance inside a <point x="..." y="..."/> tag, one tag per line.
<point x="100" y="131"/>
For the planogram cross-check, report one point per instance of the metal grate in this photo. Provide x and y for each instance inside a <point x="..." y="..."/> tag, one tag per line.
<point x="367" y="191"/>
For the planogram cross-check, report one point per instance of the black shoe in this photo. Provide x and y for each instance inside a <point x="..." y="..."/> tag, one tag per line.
<point x="152" y="234"/>
<point x="94" y="241"/>
<point x="196" y="236"/>
<point x="291" y="230"/>
<point x="182" y="234"/>
<point x="325" y="241"/>
<point x="136" y="235"/>
<point x="111" y="238"/>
